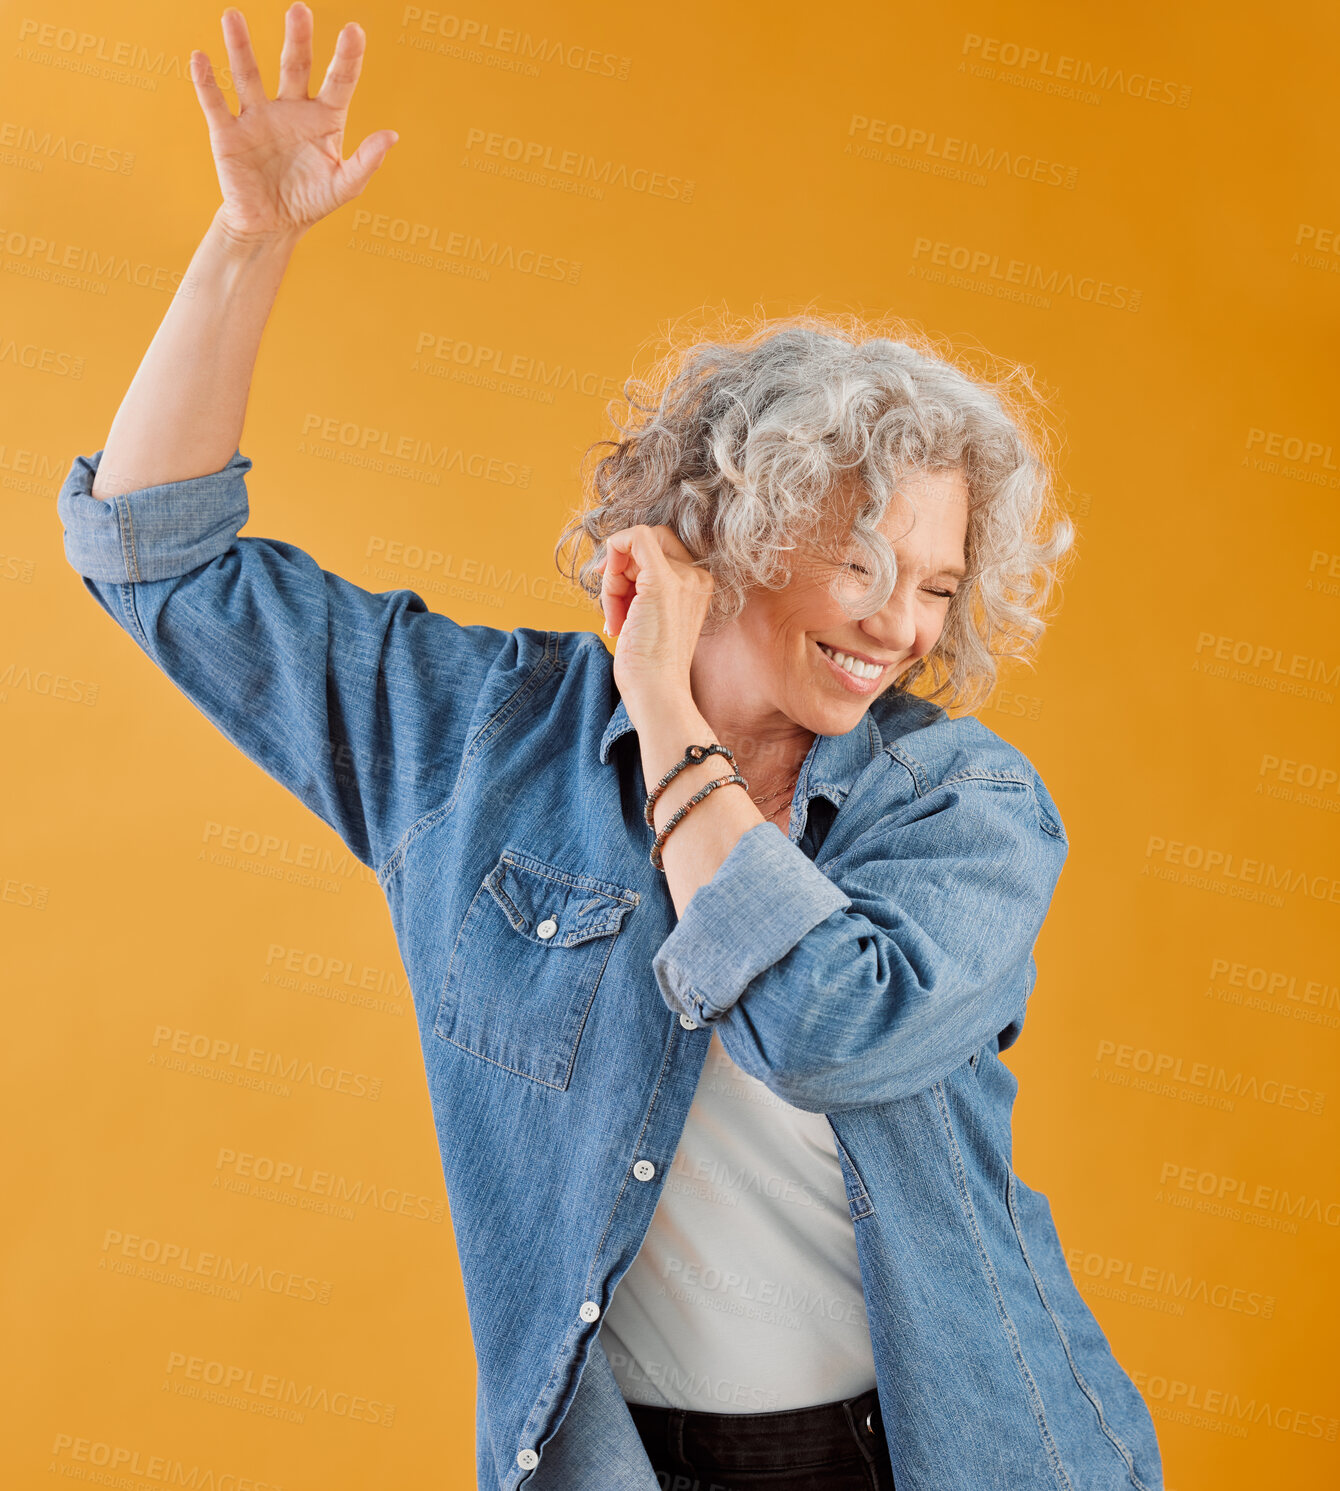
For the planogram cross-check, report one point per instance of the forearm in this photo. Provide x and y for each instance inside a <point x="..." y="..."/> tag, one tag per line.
<point x="701" y="841"/>
<point x="182" y="415"/>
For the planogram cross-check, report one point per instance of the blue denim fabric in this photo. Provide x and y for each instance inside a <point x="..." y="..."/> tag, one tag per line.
<point x="492" y="780"/>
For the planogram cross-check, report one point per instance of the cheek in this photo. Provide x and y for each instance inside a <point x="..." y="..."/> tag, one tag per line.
<point x="929" y="633"/>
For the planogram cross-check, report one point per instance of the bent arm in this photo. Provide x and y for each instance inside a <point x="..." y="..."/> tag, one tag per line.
<point x="183" y="413"/>
<point x="360" y="704"/>
<point x="877" y="975"/>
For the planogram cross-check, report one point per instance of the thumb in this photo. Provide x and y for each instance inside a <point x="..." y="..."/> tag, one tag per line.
<point x="357" y="171"/>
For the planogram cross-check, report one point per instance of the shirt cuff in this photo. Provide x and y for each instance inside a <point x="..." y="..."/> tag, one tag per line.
<point x="156" y="532"/>
<point x="766" y="895"/>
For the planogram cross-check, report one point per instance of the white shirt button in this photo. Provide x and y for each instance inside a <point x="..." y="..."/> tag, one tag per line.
<point x="527" y="1459"/>
<point x="644" y="1169"/>
<point x="688" y="1022"/>
<point x="547" y="928"/>
<point x="590" y="1310"/>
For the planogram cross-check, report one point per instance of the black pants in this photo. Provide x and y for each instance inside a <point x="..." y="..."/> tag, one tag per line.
<point x="836" y="1446"/>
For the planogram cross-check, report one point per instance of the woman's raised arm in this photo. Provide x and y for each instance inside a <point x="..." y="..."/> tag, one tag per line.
<point x="361" y="704"/>
<point x="280" y="170"/>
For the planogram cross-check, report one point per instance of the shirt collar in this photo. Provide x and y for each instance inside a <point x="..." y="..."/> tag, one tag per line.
<point x="831" y="765"/>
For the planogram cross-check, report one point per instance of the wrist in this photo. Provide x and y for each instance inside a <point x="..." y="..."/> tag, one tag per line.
<point x="667" y="710"/>
<point x="665" y="732"/>
<point x="666" y="726"/>
<point x="247" y="247"/>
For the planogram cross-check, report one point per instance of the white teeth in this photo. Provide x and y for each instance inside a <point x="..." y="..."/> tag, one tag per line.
<point x="852" y="666"/>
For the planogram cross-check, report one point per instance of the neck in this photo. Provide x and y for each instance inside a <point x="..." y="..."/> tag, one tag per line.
<point x="769" y="747"/>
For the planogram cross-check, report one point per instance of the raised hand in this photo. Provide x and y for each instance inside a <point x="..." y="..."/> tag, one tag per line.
<point x="279" y="160"/>
<point x="655" y="601"/>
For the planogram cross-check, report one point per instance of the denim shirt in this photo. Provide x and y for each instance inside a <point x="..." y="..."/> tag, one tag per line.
<point x="869" y="964"/>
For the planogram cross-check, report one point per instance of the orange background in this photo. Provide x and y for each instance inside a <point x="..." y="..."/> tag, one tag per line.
<point x="1179" y="1062"/>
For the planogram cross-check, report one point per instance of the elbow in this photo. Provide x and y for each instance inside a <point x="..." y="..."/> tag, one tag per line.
<point x="833" y="1085"/>
<point x="874" y="1035"/>
<point x="856" y="1042"/>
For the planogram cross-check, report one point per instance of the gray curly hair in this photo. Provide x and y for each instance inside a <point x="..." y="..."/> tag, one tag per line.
<point x="746" y="440"/>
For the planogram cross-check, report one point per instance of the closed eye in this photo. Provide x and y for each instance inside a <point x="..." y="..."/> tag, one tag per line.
<point x="944" y="594"/>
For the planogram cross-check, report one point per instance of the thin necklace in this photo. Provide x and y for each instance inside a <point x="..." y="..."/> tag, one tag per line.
<point x="788" y="788"/>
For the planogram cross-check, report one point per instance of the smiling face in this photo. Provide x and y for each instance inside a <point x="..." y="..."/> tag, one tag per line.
<point x="794" y="658"/>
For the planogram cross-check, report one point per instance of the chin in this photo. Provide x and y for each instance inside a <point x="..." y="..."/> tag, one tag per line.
<point x="834" y="716"/>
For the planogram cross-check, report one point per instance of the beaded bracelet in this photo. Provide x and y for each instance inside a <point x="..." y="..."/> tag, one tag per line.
<point x="681" y="811"/>
<point x="692" y="754"/>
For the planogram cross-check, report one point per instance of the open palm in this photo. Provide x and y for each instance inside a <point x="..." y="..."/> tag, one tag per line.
<point x="279" y="160"/>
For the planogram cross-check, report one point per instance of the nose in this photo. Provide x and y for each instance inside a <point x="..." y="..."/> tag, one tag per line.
<point x="893" y="628"/>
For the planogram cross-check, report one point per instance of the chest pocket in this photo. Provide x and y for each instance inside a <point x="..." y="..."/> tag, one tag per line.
<point x="526" y="965"/>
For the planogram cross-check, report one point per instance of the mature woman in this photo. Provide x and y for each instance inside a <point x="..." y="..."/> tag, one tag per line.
<point x="714" y="943"/>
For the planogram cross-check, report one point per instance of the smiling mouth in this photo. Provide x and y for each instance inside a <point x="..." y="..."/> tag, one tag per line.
<point x="852" y="665"/>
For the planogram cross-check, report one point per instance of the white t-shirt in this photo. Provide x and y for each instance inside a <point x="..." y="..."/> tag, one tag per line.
<point x="745" y="1296"/>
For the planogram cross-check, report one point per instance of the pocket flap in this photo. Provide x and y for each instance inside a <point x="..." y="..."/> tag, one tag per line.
<point x="532" y="893"/>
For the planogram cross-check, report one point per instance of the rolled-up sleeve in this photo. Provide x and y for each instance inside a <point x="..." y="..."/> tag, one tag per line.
<point x="156" y="532"/>
<point x="706" y="963"/>
<point x="360" y="704"/>
<point x="868" y="975"/>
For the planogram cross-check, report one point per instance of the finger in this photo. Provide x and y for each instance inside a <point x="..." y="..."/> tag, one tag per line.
<point x="212" y="102"/>
<point x="337" y="88"/>
<point x="356" y="172"/>
<point x="242" y="61"/>
<point x="615" y="573"/>
<point x="622" y="573"/>
<point x="671" y="544"/>
<point x="295" y="61"/>
<point x="616" y="587"/>
<point x="615" y="608"/>
<point x="642" y="550"/>
<point x="620" y="565"/>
